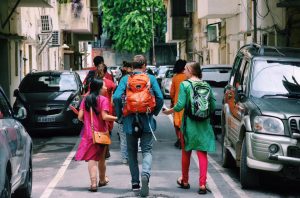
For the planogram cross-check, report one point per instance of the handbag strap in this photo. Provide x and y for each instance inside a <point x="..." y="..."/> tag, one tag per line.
<point x="92" y="120"/>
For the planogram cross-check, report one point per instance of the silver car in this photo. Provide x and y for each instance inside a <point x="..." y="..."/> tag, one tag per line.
<point x="15" y="152"/>
<point x="167" y="82"/>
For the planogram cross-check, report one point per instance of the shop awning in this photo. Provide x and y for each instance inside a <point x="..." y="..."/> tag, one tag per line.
<point x="35" y="3"/>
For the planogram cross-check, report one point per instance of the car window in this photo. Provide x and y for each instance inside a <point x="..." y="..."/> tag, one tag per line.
<point x="169" y="74"/>
<point x="275" y="77"/>
<point x="48" y="83"/>
<point x="4" y="107"/>
<point x="245" y="76"/>
<point x="216" y="77"/>
<point x="239" y="74"/>
<point x="236" y="66"/>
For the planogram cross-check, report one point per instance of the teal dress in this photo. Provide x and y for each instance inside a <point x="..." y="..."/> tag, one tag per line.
<point x="198" y="135"/>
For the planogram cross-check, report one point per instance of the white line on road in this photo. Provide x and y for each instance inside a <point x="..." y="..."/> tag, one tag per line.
<point x="47" y="192"/>
<point x="228" y="180"/>
<point x="212" y="185"/>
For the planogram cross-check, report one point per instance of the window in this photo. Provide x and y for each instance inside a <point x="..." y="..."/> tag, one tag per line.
<point x="236" y="66"/>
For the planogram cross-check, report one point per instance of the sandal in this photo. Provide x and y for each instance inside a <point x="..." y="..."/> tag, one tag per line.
<point x="93" y="187"/>
<point x="100" y="184"/>
<point x="203" y="191"/>
<point x="181" y="184"/>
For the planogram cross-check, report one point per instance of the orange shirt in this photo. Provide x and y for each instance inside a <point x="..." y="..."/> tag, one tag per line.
<point x="176" y="80"/>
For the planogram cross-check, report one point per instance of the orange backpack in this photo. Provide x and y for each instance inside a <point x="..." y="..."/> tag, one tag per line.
<point x="139" y="98"/>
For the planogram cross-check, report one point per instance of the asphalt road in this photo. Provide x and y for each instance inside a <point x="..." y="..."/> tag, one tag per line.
<point x="56" y="174"/>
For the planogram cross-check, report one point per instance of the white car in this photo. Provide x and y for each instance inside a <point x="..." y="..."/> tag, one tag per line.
<point x="15" y="152"/>
<point x="167" y="82"/>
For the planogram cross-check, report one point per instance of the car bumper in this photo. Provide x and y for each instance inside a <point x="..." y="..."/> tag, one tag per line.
<point x="260" y="157"/>
<point x="63" y="121"/>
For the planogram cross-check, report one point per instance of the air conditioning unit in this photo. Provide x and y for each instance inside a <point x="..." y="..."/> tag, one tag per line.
<point x="55" y="38"/>
<point x="46" y="24"/>
<point x="190" y="6"/>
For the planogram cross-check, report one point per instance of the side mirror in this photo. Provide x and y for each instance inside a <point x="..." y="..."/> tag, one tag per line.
<point x="16" y="92"/>
<point x="22" y="113"/>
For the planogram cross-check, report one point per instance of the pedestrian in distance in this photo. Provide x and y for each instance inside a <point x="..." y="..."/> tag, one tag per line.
<point x="144" y="99"/>
<point x="92" y="153"/>
<point x="176" y="80"/>
<point x="196" y="97"/>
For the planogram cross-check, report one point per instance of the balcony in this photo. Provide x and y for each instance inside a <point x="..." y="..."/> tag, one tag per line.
<point x="75" y="17"/>
<point x="225" y="8"/>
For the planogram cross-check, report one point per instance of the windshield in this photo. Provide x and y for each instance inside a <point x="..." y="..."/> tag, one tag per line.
<point x="169" y="74"/>
<point x="48" y="83"/>
<point x="275" y="77"/>
<point x="216" y="77"/>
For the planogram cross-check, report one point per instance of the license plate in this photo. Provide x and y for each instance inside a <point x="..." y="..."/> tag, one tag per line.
<point x="217" y="112"/>
<point x="45" y="119"/>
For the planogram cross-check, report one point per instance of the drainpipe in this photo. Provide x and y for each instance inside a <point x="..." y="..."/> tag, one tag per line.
<point x="254" y="21"/>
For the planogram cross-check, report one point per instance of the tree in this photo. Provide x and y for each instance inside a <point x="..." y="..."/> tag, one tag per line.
<point x="129" y="23"/>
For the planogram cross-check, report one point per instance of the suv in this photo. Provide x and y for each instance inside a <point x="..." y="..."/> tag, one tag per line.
<point x="261" y="116"/>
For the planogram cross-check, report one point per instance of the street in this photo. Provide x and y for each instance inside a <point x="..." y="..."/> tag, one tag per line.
<point x="56" y="174"/>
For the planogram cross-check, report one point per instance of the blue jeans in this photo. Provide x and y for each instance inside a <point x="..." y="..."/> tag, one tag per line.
<point x="132" y="147"/>
<point x="123" y="143"/>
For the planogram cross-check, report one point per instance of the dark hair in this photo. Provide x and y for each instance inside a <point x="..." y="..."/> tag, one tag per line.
<point x="179" y="66"/>
<point x="91" y="99"/>
<point x="139" y="61"/>
<point x="126" y="64"/>
<point x="195" y="69"/>
<point x="98" y="60"/>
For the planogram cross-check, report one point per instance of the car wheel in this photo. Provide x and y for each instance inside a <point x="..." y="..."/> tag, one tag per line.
<point x="6" y="192"/>
<point x="248" y="177"/>
<point x="227" y="159"/>
<point x="25" y="190"/>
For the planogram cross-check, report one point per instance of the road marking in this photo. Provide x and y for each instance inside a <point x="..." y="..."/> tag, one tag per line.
<point x="211" y="184"/>
<point x="228" y="180"/>
<point x="47" y="192"/>
<point x="220" y="170"/>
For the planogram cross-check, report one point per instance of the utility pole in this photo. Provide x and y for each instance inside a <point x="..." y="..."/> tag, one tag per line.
<point x="153" y="45"/>
<point x="254" y="21"/>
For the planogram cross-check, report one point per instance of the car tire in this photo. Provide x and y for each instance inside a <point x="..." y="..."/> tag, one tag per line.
<point x="6" y="192"/>
<point x="227" y="159"/>
<point x="25" y="190"/>
<point x="249" y="178"/>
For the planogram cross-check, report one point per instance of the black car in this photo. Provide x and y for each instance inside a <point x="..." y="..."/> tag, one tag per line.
<point x="15" y="152"/>
<point x="47" y="97"/>
<point x="261" y="113"/>
<point x="217" y="76"/>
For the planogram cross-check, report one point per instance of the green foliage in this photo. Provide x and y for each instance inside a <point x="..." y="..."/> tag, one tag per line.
<point x="129" y="23"/>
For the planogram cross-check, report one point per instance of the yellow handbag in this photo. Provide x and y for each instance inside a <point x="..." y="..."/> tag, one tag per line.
<point x="99" y="137"/>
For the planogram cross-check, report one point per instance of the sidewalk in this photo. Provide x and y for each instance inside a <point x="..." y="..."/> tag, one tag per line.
<point x="166" y="167"/>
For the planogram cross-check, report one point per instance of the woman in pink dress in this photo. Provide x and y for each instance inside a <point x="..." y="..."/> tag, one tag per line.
<point x="87" y="151"/>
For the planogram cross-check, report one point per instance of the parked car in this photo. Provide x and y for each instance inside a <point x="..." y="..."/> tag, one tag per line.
<point x="47" y="97"/>
<point x="114" y="70"/>
<point x="152" y="68"/>
<point x="261" y="117"/>
<point x="167" y="82"/>
<point x="161" y="72"/>
<point x="217" y="76"/>
<point x="15" y="152"/>
<point x="82" y="74"/>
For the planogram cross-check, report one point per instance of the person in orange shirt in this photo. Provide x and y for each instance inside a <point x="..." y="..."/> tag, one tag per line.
<point x="176" y="80"/>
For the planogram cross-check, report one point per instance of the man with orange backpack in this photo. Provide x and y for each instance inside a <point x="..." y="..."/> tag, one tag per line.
<point x="137" y="98"/>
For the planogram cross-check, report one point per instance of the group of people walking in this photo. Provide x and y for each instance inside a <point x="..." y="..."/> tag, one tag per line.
<point x="134" y="103"/>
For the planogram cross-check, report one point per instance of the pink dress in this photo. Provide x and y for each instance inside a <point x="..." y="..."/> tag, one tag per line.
<point x="86" y="149"/>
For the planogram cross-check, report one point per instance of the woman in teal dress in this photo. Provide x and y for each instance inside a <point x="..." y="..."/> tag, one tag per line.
<point x="198" y="135"/>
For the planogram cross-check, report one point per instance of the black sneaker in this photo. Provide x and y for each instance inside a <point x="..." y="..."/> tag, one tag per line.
<point x="145" y="186"/>
<point x="136" y="187"/>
